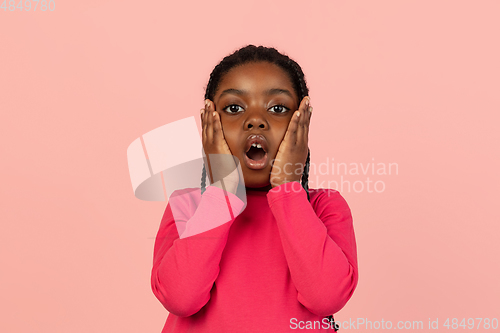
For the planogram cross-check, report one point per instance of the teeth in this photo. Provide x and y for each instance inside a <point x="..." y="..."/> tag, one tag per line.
<point x="257" y="145"/>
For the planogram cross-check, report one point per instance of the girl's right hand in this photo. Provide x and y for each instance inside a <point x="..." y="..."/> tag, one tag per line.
<point x="212" y="134"/>
<point x="219" y="159"/>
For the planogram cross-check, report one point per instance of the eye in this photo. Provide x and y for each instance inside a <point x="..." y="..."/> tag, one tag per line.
<point x="279" y="108"/>
<point x="233" y="108"/>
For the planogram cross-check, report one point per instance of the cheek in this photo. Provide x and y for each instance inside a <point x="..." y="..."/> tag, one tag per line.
<point x="231" y="137"/>
<point x="280" y="132"/>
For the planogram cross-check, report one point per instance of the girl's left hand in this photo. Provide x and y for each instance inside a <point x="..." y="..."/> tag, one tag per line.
<point x="290" y="159"/>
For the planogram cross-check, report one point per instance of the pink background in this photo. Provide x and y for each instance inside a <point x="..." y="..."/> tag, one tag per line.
<point x="409" y="82"/>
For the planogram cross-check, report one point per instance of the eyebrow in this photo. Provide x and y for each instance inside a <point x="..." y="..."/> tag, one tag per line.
<point x="272" y="91"/>
<point x="276" y="91"/>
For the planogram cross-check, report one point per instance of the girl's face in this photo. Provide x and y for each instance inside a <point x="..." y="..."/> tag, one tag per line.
<point x="255" y="98"/>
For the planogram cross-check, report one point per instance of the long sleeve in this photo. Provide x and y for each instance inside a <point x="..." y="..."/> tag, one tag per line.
<point x="319" y="245"/>
<point x="185" y="269"/>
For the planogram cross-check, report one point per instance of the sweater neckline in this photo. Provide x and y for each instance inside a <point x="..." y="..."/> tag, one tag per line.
<point x="256" y="192"/>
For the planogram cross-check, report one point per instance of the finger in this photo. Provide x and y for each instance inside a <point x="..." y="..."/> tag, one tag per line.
<point x="304" y="110"/>
<point x="205" y="121"/>
<point x="303" y="139"/>
<point x="304" y="104"/>
<point x="291" y="132"/>
<point x="220" y="140"/>
<point x="307" y="120"/>
<point x="309" y="110"/>
<point x="300" y="130"/>
<point x="202" y="124"/>
<point x="307" y="114"/>
<point x="218" y="134"/>
<point x="210" y="125"/>
<point x="308" y="124"/>
<point x="304" y="115"/>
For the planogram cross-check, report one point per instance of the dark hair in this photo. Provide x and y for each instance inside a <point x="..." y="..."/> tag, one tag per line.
<point x="252" y="53"/>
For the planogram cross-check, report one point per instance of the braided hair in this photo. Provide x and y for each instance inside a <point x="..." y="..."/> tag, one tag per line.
<point x="252" y="53"/>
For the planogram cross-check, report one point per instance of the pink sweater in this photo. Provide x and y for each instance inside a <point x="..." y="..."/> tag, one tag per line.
<point x="280" y="264"/>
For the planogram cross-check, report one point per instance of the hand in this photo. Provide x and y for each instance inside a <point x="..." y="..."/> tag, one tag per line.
<point x="290" y="159"/>
<point x="219" y="159"/>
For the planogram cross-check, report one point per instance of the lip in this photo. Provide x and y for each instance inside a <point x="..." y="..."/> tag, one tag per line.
<point x="262" y="163"/>
<point x="256" y="138"/>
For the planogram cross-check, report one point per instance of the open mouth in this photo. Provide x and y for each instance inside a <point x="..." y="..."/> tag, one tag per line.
<point x="256" y="152"/>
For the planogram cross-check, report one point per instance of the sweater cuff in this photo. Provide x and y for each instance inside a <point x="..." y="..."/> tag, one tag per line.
<point x="285" y="190"/>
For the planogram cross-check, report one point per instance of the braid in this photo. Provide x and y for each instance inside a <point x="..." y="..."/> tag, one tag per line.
<point x="305" y="175"/>
<point x="300" y="80"/>
<point x="332" y="322"/>
<point x="203" y="179"/>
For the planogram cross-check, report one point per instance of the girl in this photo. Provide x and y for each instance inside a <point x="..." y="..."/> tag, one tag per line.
<point x="286" y="261"/>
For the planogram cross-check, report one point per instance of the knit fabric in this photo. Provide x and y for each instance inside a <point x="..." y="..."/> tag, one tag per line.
<point x="278" y="265"/>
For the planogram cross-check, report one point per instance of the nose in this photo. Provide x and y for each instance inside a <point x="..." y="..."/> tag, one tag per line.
<point x="256" y="120"/>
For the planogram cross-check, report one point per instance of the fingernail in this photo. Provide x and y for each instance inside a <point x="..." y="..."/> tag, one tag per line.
<point x="298" y="114"/>
<point x="310" y="109"/>
<point x="213" y="114"/>
<point x="202" y="110"/>
<point x="207" y="102"/>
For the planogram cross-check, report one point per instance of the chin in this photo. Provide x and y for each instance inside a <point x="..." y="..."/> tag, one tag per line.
<point x="256" y="178"/>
